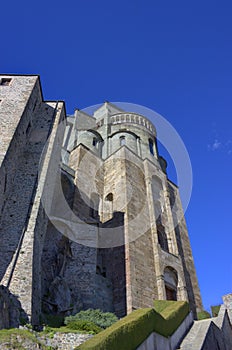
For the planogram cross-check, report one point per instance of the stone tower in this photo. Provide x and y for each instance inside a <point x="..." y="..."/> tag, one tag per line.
<point x="89" y="217"/>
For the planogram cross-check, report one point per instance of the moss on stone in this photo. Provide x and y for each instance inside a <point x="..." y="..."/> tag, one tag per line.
<point x="173" y="313"/>
<point x="132" y="330"/>
<point x="202" y="315"/>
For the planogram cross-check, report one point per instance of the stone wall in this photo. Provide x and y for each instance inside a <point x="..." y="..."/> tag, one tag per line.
<point x="101" y="248"/>
<point x="65" y="341"/>
<point x="15" y="121"/>
<point x="111" y="265"/>
<point x="184" y="250"/>
<point x="127" y="179"/>
<point x="23" y="217"/>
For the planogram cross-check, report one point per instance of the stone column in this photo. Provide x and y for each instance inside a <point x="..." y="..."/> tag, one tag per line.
<point x="160" y="277"/>
<point x="138" y="147"/>
<point x="161" y="287"/>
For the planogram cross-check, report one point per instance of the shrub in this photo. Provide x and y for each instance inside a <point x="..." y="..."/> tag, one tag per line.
<point x="215" y="310"/>
<point x="202" y="315"/>
<point x="129" y="332"/>
<point x="98" y="317"/>
<point x="86" y="326"/>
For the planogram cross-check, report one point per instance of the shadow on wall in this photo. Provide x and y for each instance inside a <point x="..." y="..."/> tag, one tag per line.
<point x="111" y="260"/>
<point x="189" y="289"/>
<point x="11" y="312"/>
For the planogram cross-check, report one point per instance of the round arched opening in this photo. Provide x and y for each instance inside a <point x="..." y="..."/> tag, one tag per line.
<point x="170" y="282"/>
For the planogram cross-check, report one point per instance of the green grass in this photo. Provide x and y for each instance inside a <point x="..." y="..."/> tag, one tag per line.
<point x="202" y="315"/>
<point x="84" y="325"/>
<point x="63" y="329"/>
<point x="160" y="305"/>
<point x="215" y="310"/>
<point x="129" y="332"/>
<point x="173" y="314"/>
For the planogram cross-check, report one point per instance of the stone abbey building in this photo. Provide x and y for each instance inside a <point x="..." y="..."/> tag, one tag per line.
<point x="89" y="218"/>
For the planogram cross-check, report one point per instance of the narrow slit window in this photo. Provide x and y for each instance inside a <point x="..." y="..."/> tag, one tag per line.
<point x="151" y="147"/>
<point x="5" y="184"/>
<point x="122" y="140"/>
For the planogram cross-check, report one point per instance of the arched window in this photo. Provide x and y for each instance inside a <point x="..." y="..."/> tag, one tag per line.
<point x="170" y="281"/>
<point x="94" y="142"/>
<point x="151" y="146"/>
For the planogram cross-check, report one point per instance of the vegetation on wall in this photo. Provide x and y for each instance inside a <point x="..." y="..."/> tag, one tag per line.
<point x="129" y="332"/>
<point x="84" y="326"/>
<point x="202" y="315"/>
<point x="215" y="310"/>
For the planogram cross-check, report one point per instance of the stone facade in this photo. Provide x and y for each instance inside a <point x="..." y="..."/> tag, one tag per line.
<point x="89" y="217"/>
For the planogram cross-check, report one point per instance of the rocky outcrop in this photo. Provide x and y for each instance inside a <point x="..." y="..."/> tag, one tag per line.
<point x="11" y="312"/>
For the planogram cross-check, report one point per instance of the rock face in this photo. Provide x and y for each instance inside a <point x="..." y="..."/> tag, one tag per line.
<point x="11" y="313"/>
<point x="59" y="293"/>
<point x="89" y="218"/>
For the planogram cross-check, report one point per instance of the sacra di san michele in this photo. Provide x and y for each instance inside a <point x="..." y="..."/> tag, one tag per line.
<point x="89" y="218"/>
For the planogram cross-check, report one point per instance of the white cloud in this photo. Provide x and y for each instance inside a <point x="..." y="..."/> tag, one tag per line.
<point x="214" y="146"/>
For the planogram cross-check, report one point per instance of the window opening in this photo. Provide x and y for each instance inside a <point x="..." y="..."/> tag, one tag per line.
<point x="122" y="140"/>
<point x="5" y="81"/>
<point x="151" y="147"/>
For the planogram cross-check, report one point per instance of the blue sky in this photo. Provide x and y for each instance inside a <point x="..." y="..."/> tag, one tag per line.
<point x="171" y="56"/>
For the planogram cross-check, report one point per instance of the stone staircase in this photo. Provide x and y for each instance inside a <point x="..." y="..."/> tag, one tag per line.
<point x="210" y="334"/>
<point x="196" y="336"/>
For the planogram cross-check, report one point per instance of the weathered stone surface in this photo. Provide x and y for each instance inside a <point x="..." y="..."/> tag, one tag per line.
<point x="11" y="312"/>
<point x="65" y="341"/>
<point x="227" y="299"/>
<point x="88" y="216"/>
<point x="210" y="334"/>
